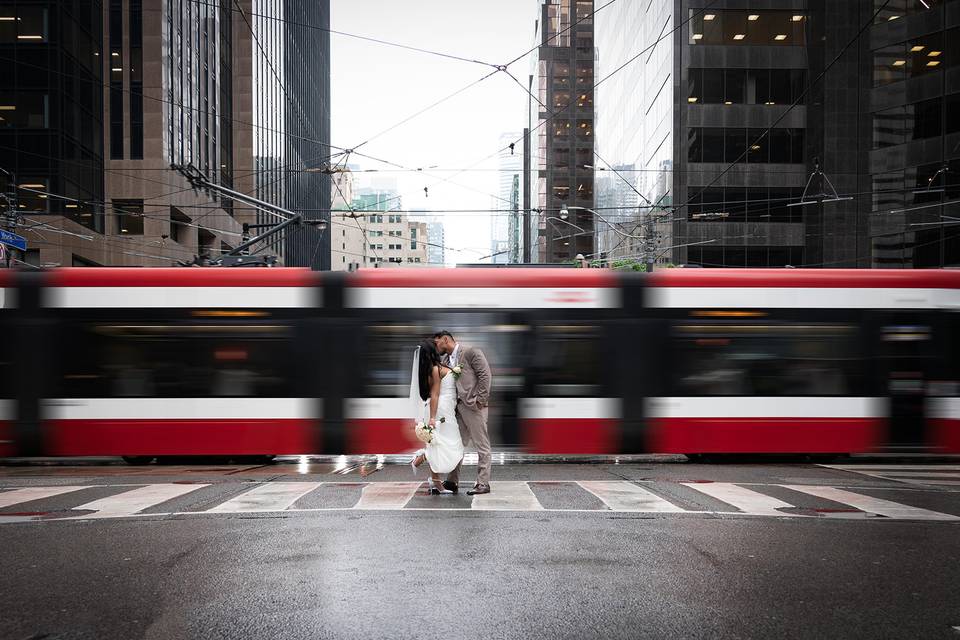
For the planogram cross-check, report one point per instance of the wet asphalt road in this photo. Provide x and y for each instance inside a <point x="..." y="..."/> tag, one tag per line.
<point x="468" y="574"/>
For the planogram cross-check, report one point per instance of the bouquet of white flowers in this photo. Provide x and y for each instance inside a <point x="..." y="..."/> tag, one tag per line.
<point x="424" y="431"/>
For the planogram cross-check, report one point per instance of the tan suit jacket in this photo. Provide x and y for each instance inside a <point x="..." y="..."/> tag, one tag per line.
<point x="473" y="385"/>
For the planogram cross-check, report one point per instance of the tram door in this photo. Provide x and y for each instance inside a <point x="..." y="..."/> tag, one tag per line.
<point x="906" y="363"/>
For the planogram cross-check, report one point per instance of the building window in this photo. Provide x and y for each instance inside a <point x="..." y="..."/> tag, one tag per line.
<point x="739" y="204"/>
<point x="748" y="27"/>
<point x="80" y="261"/>
<point x="180" y="229"/>
<point x="746" y="86"/>
<point x="890" y="11"/>
<point x="904" y="124"/>
<point x="116" y="79"/>
<point x="778" y="146"/>
<point x="909" y="59"/>
<point x="25" y="25"/>
<point x="413" y="245"/>
<point x="136" y="79"/>
<point x="129" y="215"/>
<point x="25" y="110"/>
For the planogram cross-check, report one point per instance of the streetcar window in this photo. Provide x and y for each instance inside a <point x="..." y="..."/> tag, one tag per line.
<point x="767" y="360"/>
<point x="174" y="360"/>
<point x="390" y="348"/>
<point x="567" y="361"/>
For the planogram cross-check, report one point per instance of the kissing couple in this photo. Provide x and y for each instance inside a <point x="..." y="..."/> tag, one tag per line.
<point x="450" y="392"/>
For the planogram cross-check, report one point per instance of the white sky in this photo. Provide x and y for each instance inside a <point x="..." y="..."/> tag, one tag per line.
<point x="376" y="86"/>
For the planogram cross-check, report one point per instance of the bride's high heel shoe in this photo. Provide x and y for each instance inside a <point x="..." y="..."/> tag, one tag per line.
<point x="413" y="463"/>
<point x="439" y="490"/>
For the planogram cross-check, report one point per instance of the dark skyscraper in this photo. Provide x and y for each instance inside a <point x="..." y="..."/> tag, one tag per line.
<point x="878" y="124"/>
<point x="306" y="56"/>
<point x="52" y="112"/>
<point x="561" y="137"/>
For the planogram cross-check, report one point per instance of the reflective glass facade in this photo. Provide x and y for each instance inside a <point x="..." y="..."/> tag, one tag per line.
<point x="635" y="130"/>
<point x="291" y="67"/>
<point x="51" y="106"/>
<point x="912" y="163"/>
<point x="881" y="123"/>
<point x="306" y="56"/>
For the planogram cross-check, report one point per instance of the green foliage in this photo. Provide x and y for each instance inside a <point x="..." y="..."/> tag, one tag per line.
<point x="628" y="264"/>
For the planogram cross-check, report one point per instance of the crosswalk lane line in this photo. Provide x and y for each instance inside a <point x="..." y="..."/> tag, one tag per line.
<point x="27" y="494"/>
<point x="921" y="474"/>
<point x="273" y="496"/>
<point x="386" y="495"/>
<point x="626" y="496"/>
<point x="131" y="502"/>
<point x="894" y="467"/>
<point x="507" y="496"/>
<point x="746" y="500"/>
<point x="870" y="504"/>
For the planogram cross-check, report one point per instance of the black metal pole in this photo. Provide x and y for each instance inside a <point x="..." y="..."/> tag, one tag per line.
<point x="526" y="195"/>
<point x="297" y="219"/>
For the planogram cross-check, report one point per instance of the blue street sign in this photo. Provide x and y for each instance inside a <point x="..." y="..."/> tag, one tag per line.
<point x="13" y="240"/>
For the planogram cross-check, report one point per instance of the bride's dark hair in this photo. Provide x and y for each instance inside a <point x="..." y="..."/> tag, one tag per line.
<point x="429" y="356"/>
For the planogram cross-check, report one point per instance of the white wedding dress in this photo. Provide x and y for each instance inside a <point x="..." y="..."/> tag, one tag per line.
<point x="445" y="451"/>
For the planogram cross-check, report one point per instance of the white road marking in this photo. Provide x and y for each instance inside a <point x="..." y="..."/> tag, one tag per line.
<point x="746" y="500"/>
<point x="872" y="505"/>
<point x="9" y="498"/>
<point x="273" y="496"/>
<point x="618" y="496"/>
<point x="626" y="496"/>
<point x="387" y="495"/>
<point x="136" y="500"/>
<point x="507" y="496"/>
<point x="894" y="467"/>
<point x="923" y="474"/>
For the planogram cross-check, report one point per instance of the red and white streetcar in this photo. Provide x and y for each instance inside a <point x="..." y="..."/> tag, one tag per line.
<point x="172" y="362"/>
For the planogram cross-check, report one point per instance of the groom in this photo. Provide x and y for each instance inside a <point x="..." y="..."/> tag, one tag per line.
<point x="473" y="396"/>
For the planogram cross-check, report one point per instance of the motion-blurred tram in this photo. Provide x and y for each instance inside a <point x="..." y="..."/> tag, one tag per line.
<point x="144" y="363"/>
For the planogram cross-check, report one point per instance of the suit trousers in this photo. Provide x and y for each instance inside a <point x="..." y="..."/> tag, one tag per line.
<point x="473" y="427"/>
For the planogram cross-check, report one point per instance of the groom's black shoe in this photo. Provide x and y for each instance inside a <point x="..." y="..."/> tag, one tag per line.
<point x="450" y="485"/>
<point x="478" y="490"/>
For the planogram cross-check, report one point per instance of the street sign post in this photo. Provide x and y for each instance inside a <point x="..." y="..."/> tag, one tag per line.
<point x="13" y="240"/>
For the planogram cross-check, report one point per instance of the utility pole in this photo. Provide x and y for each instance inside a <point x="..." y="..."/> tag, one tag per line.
<point x="527" y="240"/>
<point x="526" y="195"/>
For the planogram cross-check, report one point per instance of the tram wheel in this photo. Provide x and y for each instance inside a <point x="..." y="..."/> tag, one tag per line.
<point x="138" y="460"/>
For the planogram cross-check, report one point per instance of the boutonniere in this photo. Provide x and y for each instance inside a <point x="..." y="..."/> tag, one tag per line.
<point x="457" y="370"/>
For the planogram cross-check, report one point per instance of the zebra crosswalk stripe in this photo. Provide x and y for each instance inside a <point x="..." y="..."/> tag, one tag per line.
<point x="386" y="495"/>
<point x="507" y="496"/>
<point x="28" y="494"/>
<point x="617" y="496"/>
<point x="626" y="496"/>
<point x="273" y="496"/>
<point x="134" y="501"/>
<point x="872" y="505"/>
<point x="746" y="500"/>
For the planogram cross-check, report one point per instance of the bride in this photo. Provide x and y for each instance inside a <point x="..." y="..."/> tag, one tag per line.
<point x="433" y="392"/>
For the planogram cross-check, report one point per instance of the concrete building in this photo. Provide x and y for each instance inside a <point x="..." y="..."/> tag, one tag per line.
<point x="393" y="239"/>
<point x="160" y="84"/>
<point x="436" y="254"/>
<point x="562" y="130"/>
<point x="686" y="125"/>
<point x="348" y="240"/>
